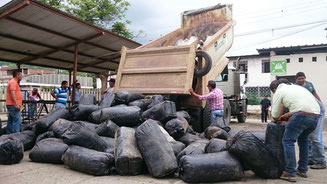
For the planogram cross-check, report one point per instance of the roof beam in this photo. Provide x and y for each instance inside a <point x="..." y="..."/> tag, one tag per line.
<point x="50" y="58"/>
<point x="99" y="62"/>
<point x="55" y="33"/>
<point x="42" y="65"/>
<point x="27" y="60"/>
<point x="14" y="9"/>
<point x="47" y="46"/>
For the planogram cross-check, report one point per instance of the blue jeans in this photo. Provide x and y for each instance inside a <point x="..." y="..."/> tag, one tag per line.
<point x="264" y="115"/>
<point x="316" y="145"/>
<point x="31" y="110"/>
<point x="215" y="114"/>
<point x="14" y="120"/>
<point x="60" y="106"/>
<point x="298" y="129"/>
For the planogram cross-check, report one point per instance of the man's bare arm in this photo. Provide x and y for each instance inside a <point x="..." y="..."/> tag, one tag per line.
<point x="316" y="95"/>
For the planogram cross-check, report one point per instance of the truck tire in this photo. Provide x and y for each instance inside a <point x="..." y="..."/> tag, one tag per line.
<point x="208" y="63"/>
<point x="242" y="116"/>
<point x="206" y="116"/>
<point x="227" y="112"/>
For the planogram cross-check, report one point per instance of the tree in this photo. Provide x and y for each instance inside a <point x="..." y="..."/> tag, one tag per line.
<point x="108" y="14"/>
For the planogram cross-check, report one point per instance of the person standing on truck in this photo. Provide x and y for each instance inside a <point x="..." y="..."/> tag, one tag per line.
<point x="264" y="104"/>
<point x="60" y="94"/>
<point x="33" y="97"/>
<point x="302" y="119"/>
<point x="77" y="93"/>
<point x="215" y="98"/>
<point x="317" y="158"/>
<point x="14" y="102"/>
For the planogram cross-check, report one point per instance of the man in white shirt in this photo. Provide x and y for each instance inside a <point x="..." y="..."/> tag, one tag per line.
<point x="303" y="115"/>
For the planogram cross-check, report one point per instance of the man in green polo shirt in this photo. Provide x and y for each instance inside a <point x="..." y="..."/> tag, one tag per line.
<point x="317" y="158"/>
<point x="303" y="115"/>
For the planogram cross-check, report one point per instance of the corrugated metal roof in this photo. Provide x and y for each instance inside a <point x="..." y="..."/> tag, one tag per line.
<point x="36" y="34"/>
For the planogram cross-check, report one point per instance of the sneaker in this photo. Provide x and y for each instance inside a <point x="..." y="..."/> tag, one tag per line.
<point x="311" y="162"/>
<point x="318" y="166"/>
<point x="302" y="174"/>
<point x="286" y="176"/>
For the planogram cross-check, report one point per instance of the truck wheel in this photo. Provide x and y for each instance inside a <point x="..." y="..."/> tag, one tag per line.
<point x="227" y="112"/>
<point x="206" y="116"/>
<point x="242" y="116"/>
<point x="200" y="54"/>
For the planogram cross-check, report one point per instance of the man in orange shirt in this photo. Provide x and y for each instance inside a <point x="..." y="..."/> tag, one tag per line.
<point x="14" y="102"/>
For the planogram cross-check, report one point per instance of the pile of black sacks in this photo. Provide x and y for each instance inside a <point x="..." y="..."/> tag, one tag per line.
<point x="128" y="134"/>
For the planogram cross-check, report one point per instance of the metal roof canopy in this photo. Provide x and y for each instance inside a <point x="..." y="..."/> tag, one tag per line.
<point x="35" y="34"/>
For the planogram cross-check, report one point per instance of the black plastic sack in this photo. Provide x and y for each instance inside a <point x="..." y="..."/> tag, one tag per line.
<point x="260" y="134"/>
<point x="212" y="167"/>
<point x="128" y="158"/>
<point x="220" y="122"/>
<point x="156" y="99"/>
<point x="125" y="97"/>
<point x="60" y="126"/>
<point x="215" y="146"/>
<point x="110" y="142"/>
<point x="196" y="148"/>
<point x="162" y="112"/>
<point x="48" y="134"/>
<point x="88" y="161"/>
<point x="49" y="150"/>
<point x="215" y="132"/>
<point x="88" y="125"/>
<point x="177" y="147"/>
<point x="274" y="137"/>
<point x="142" y="103"/>
<point x="27" y="138"/>
<point x="155" y="149"/>
<point x="188" y="139"/>
<point x="82" y="136"/>
<point x="95" y="117"/>
<point x="44" y="124"/>
<point x="107" y="100"/>
<point x="107" y="129"/>
<point x="123" y="116"/>
<point x="11" y="151"/>
<point x="87" y="99"/>
<point x="183" y="114"/>
<point x="177" y="127"/>
<point x="255" y="155"/>
<point x="81" y="112"/>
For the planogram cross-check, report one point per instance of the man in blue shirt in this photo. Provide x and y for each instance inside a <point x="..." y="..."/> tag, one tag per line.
<point x="317" y="158"/>
<point x="60" y="94"/>
<point x="264" y="104"/>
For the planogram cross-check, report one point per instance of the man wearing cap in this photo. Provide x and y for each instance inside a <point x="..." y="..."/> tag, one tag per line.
<point x="33" y="97"/>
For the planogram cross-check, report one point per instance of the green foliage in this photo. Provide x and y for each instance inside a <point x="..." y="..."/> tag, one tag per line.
<point x="108" y="14"/>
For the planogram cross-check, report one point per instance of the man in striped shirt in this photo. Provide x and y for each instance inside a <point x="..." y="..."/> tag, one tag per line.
<point x="60" y="94"/>
<point x="215" y="98"/>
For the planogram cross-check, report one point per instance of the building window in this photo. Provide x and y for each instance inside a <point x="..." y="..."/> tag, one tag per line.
<point x="243" y="66"/>
<point x="314" y="59"/>
<point x="300" y="60"/>
<point x="288" y="60"/>
<point x="265" y="66"/>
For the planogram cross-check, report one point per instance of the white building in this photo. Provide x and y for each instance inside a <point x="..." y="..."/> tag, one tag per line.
<point x="310" y="59"/>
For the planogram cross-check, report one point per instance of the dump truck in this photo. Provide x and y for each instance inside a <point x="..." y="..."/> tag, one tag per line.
<point x="187" y="58"/>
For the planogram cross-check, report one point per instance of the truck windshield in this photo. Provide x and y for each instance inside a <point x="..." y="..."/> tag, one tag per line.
<point x="223" y="77"/>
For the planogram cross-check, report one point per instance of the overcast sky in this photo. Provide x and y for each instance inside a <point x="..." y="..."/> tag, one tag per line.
<point x="159" y="17"/>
